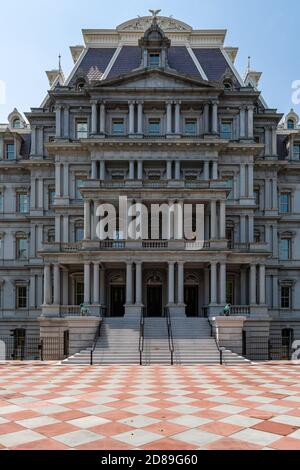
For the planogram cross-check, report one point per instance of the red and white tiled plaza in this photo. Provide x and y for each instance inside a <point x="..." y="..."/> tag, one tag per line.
<point x="51" y="407"/>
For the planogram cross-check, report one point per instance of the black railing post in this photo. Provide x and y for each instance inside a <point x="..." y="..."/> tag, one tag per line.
<point x="41" y="346"/>
<point x="221" y="356"/>
<point x="91" y="359"/>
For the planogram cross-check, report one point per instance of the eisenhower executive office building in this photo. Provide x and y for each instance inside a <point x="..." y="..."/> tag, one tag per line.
<point x="156" y="111"/>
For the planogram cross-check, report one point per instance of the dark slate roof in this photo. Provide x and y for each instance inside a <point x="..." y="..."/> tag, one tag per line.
<point x="128" y="60"/>
<point x="281" y="146"/>
<point x="212" y="61"/>
<point x="94" y="63"/>
<point x="25" y="146"/>
<point x="180" y="60"/>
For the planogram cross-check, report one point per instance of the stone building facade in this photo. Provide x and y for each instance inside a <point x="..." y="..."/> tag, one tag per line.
<point x="156" y="111"/>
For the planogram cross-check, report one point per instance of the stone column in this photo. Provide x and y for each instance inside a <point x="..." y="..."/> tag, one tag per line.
<point x="253" y="284"/>
<point x="180" y="283"/>
<point x="250" y="110"/>
<point x="2" y="146"/>
<point x="47" y="285"/>
<point x="215" y="175"/>
<point x="274" y="194"/>
<point x="40" y="201"/>
<point x="243" y="229"/>
<point x="275" y="291"/>
<point x="56" y="290"/>
<point x="66" y="229"/>
<point x="171" y="273"/>
<point x="58" y="121"/>
<point x="66" y="180"/>
<point x="250" y="181"/>
<point x="94" y="174"/>
<point x="102" y="118"/>
<point x="242" y="180"/>
<point x="66" y="122"/>
<point x="223" y="283"/>
<point x="102" y="287"/>
<point x="251" y="229"/>
<point x="169" y="169"/>
<point x="87" y="283"/>
<point x="213" y="220"/>
<point x="215" y="117"/>
<point x="138" y="283"/>
<point x="177" y="170"/>
<point x="58" y="179"/>
<point x="131" y="105"/>
<point x="206" y="118"/>
<point x="140" y="118"/>
<point x="32" y="292"/>
<point x="242" y="123"/>
<point x="131" y="170"/>
<point x="177" y="117"/>
<point x="262" y="284"/>
<point x="33" y="140"/>
<point x="94" y="117"/>
<point x="102" y="170"/>
<point x="140" y="169"/>
<point x="206" y="174"/>
<point x="169" y="117"/>
<point x="96" y="284"/>
<point x="57" y="228"/>
<point x="129" y="290"/>
<point x="274" y="141"/>
<point x="33" y="193"/>
<point x="267" y="194"/>
<point x="243" y="283"/>
<point x="87" y="220"/>
<point x="222" y="220"/>
<point x="213" y="283"/>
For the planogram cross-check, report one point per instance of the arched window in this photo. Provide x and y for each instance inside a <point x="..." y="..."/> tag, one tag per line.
<point x="80" y="86"/>
<point x="291" y="124"/>
<point x="227" y="85"/>
<point x="17" y="123"/>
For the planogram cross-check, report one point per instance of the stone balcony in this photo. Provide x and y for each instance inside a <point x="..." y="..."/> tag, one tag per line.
<point x="154" y="184"/>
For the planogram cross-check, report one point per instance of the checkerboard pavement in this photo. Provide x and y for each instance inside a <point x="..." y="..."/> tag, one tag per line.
<point x="52" y="407"/>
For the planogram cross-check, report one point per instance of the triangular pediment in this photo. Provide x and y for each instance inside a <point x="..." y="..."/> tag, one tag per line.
<point x="155" y="78"/>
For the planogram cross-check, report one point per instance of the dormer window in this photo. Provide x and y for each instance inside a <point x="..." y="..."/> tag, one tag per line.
<point x="291" y="124"/>
<point x="17" y="123"/>
<point x="154" y="59"/>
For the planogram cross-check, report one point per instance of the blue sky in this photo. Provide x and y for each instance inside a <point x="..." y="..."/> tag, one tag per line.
<point x="34" y="32"/>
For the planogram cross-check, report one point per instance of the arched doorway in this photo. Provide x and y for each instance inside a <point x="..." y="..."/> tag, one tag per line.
<point x="117" y="295"/>
<point x="154" y="283"/>
<point x="191" y="295"/>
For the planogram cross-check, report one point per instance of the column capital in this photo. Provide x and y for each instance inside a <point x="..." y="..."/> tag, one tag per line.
<point x="94" y="101"/>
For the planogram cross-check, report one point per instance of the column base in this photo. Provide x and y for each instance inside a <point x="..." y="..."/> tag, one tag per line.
<point x="133" y="311"/>
<point x="177" y="310"/>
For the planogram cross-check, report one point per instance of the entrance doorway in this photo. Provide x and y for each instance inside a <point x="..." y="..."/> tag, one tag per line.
<point x="191" y="301"/>
<point x="117" y="301"/>
<point x="154" y="301"/>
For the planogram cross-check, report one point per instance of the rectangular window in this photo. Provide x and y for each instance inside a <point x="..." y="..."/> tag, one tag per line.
<point x="81" y="130"/>
<point x="285" y="297"/>
<point x="285" y="203"/>
<point x="79" y="292"/>
<point x="285" y="249"/>
<point x="190" y="127"/>
<point x="230" y="291"/>
<point x="256" y="197"/>
<point x="154" y="59"/>
<point x="22" y="248"/>
<point x="296" y="152"/>
<point x="226" y="130"/>
<point x="229" y="184"/>
<point x="10" y="151"/>
<point x="78" y="185"/>
<point x="79" y="234"/>
<point x="22" y="203"/>
<point x="21" y="293"/>
<point x="51" y="196"/>
<point x="118" y="126"/>
<point x="154" y="126"/>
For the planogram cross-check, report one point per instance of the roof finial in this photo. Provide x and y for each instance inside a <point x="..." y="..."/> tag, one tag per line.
<point x="249" y="63"/>
<point x="59" y="63"/>
<point x="155" y="13"/>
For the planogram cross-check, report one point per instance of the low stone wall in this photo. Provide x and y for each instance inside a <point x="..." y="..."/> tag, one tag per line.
<point x="229" y="331"/>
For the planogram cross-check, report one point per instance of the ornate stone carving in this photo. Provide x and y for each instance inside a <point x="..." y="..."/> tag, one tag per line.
<point x="143" y="23"/>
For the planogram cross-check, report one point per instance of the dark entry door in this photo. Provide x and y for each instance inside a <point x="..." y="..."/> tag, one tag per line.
<point x="154" y="301"/>
<point x="191" y="300"/>
<point x="117" y="301"/>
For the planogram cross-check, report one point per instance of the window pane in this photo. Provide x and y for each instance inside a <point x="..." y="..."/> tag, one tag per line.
<point x="226" y="130"/>
<point x="79" y="293"/>
<point x="78" y="184"/>
<point x="21" y="297"/>
<point x="154" y="59"/>
<point x="10" y="151"/>
<point x="82" y="130"/>
<point x="296" y="152"/>
<point x="291" y="124"/>
<point x="23" y="203"/>
<point x="285" y="203"/>
<point x="79" y="234"/>
<point x="285" y="297"/>
<point x="154" y="126"/>
<point x="190" y="127"/>
<point x="22" y="248"/>
<point x="285" y="249"/>
<point x="118" y="126"/>
<point x="229" y="184"/>
<point x="51" y="197"/>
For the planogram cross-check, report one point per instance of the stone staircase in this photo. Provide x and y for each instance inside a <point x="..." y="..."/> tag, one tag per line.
<point x="119" y="343"/>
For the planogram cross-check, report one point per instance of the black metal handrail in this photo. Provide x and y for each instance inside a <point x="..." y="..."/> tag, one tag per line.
<point x="220" y="349"/>
<point x="142" y="335"/>
<point x="97" y="336"/>
<point x="170" y="334"/>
